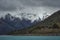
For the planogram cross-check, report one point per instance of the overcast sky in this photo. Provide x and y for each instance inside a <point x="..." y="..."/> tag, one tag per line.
<point x="37" y="7"/>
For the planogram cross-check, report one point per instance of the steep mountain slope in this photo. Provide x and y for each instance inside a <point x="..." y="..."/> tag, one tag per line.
<point x="47" y="26"/>
<point x="54" y="18"/>
<point x="5" y="28"/>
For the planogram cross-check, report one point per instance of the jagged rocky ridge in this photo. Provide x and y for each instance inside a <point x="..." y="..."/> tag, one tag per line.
<point x="10" y="23"/>
<point x="49" y="26"/>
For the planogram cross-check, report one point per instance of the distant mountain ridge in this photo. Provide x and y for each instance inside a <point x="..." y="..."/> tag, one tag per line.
<point x="5" y="28"/>
<point x="47" y="26"/>
<point x="12" y="23"/>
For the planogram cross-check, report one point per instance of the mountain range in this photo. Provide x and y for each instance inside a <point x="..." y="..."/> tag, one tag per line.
<point x="49" y="26"/>
<point x="11" y="23"/>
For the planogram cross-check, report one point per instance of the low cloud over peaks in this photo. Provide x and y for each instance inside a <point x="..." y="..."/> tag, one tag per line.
<point x="29" y="6"/>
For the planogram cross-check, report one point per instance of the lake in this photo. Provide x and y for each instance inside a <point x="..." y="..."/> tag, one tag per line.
<point x="29" y="37"/>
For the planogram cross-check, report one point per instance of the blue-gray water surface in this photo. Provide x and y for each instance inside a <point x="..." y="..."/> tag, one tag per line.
<point x="29" y="37"/>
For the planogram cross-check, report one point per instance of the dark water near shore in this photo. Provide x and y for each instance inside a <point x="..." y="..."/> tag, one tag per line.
<point x="29" y="37"/>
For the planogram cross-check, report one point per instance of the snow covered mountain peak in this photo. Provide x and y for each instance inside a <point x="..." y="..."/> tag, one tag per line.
<point x="28" y="16"/>
<point x="23" y="16"/>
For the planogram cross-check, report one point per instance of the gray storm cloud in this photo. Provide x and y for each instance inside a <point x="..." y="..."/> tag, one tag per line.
<point x="6" y="5"/>
<point x="38" y="7"/>
<point x="10" y="5"/>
